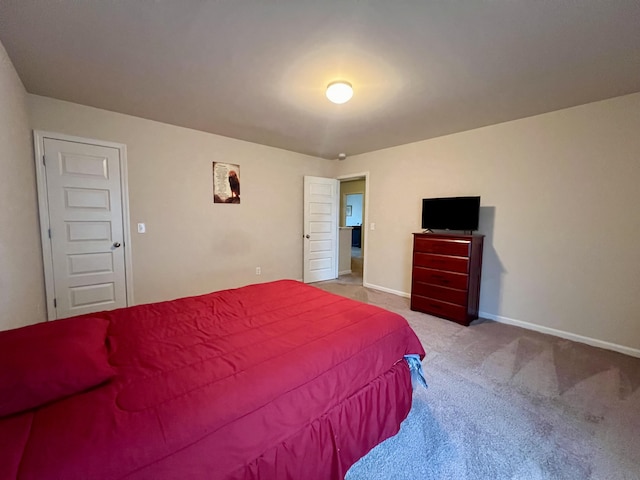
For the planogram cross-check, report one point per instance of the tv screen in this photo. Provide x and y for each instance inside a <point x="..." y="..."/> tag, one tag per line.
<point x="451" y="213"/>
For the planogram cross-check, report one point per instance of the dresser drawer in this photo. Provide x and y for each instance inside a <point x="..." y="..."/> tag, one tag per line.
<point x="441" y="309"/>
<point x="441" y="262"/>
<point x="459" y="248"/>
<point x="436" y="292"/>
<point x="438" y="277"/>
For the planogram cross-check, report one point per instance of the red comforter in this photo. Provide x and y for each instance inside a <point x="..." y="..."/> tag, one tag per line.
<point x="275" y="380"/>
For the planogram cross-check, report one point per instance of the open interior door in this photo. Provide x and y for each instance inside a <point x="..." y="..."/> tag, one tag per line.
<point x="320" y="229"/>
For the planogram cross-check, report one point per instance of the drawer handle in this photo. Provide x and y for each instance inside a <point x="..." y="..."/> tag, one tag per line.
<point x="442" y="278"/>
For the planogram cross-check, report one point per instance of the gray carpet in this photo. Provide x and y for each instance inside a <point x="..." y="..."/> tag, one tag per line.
<point x="508" y="403"/>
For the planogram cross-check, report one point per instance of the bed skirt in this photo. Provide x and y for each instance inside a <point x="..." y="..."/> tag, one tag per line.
<point x="326" y="447"/>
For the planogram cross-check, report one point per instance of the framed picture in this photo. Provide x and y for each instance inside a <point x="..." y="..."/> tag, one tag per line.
<point x="348" y="210"/>
<point x="226" y="183"/>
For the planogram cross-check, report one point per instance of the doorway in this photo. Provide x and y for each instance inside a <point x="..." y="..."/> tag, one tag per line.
<point x="353" y="214"/>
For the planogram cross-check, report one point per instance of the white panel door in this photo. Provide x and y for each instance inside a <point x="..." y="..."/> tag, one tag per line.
<point x="86" y="226"/>
<point x="320" y="229"/>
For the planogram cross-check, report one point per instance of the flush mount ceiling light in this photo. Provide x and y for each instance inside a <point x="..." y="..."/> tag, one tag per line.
<point x="339" y="92"/>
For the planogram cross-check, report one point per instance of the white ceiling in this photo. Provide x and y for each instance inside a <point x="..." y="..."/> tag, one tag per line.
<point x="257" y="70"/>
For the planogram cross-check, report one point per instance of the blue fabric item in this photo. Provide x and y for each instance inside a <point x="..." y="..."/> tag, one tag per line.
<point x="415" y="367"/>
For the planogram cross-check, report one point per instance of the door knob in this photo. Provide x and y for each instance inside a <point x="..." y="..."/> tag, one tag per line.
<point x="307" y="236"/>
<point x="116" y="244"/>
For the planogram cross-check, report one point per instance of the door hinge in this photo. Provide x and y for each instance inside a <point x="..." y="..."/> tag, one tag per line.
<point x="44" y="161"/>
<point x="55" y="303"/>
<point x="49" y="233"/>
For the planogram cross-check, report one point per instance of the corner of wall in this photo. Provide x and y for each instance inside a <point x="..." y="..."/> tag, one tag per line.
<point x="21" y="274"/>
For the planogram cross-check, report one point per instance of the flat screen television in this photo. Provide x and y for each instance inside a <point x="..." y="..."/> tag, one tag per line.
<point x="451" y="213"/>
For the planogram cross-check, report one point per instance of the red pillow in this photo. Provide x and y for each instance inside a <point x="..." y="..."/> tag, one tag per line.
<point x="48" y="361"/>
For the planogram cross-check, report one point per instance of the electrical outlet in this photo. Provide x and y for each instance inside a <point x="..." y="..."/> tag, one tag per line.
<point x="372" y="226"/>
<point x="258" y="271"/>
<point x="142" y="228"/>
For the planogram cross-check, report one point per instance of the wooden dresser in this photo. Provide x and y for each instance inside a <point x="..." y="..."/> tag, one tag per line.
<point x="445" y="279"/>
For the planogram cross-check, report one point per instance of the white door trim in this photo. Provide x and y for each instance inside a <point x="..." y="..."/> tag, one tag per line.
<point x="365" y="220"/>
<point x="43" y="208"/>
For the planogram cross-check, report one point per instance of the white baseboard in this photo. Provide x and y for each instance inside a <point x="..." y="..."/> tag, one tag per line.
<point x="387" y="290"/>
<point x="344" y="272"/>
<point x="634" y="352"/>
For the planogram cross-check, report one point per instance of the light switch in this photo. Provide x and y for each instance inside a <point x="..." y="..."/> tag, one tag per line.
<point x="372" y="226"/>
<point x="142" y="228"/>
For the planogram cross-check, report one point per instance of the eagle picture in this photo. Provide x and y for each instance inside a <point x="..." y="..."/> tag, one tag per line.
<point x="226" y="183"/>
<point x="234" y="183"/>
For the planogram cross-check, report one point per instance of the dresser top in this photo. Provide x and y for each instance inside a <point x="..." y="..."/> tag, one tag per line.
<point x="449" y="236"/>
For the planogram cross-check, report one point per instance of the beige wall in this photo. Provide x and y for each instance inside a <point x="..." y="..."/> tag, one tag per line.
<point x="193" y="246"/>
<point x="21" y="282"/>
<point x="560" y="194"/>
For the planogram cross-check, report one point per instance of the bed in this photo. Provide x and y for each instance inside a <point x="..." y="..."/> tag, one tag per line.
<point x="279" y="380"/>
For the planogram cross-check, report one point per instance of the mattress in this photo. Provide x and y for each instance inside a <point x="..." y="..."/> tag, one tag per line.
<point x="275" y="380"/>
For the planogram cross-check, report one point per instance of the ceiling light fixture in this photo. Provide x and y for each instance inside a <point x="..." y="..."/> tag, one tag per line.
<point x="339" y="92"/>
